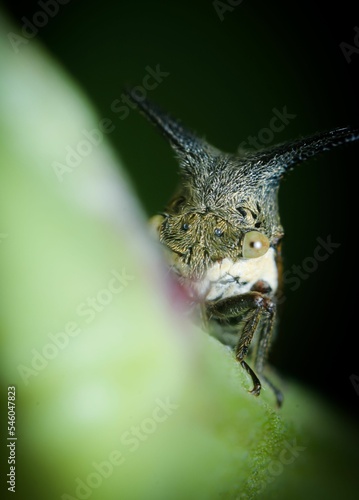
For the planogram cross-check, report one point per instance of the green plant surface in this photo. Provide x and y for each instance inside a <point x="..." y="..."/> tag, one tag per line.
<point x="125" y="399"/>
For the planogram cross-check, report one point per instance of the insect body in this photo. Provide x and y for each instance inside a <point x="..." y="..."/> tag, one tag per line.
<point x="222" y="232"/>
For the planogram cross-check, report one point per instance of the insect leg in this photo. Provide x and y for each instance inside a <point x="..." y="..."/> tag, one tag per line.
<point x="263" y="348"/>
<point x="251" y="306"/>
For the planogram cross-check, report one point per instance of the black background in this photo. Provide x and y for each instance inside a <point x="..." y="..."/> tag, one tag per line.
<point x="225" y="77"/>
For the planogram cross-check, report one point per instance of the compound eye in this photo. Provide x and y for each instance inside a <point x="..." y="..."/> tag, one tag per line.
<point x="255" y="244"/>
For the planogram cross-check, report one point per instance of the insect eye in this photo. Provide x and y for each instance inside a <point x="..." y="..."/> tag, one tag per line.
<point x="218" y="232"/>
<point x="255" y="245"/>
<point x="185" y="226"/>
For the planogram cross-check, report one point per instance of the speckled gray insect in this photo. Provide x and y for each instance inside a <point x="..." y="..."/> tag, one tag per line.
<point x="222" y="232"/>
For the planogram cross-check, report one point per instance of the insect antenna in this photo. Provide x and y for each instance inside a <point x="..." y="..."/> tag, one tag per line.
<point x="181" y="139"/>
<point x="284" y="157"/>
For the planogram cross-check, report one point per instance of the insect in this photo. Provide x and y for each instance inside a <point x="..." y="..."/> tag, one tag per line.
<point x="222" y="233"/>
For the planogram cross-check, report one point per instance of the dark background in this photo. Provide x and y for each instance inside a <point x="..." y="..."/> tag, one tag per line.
<point x="225" y="77"/>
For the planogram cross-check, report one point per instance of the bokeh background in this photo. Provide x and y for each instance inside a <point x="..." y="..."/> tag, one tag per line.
<point x="225" y="77"/>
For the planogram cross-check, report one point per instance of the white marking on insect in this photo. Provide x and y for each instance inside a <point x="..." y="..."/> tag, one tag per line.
<point x="227" y="278"/>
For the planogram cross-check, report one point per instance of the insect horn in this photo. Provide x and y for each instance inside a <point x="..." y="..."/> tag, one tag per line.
<point x="284" y="157"/>
<point x="186" y="144"/>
